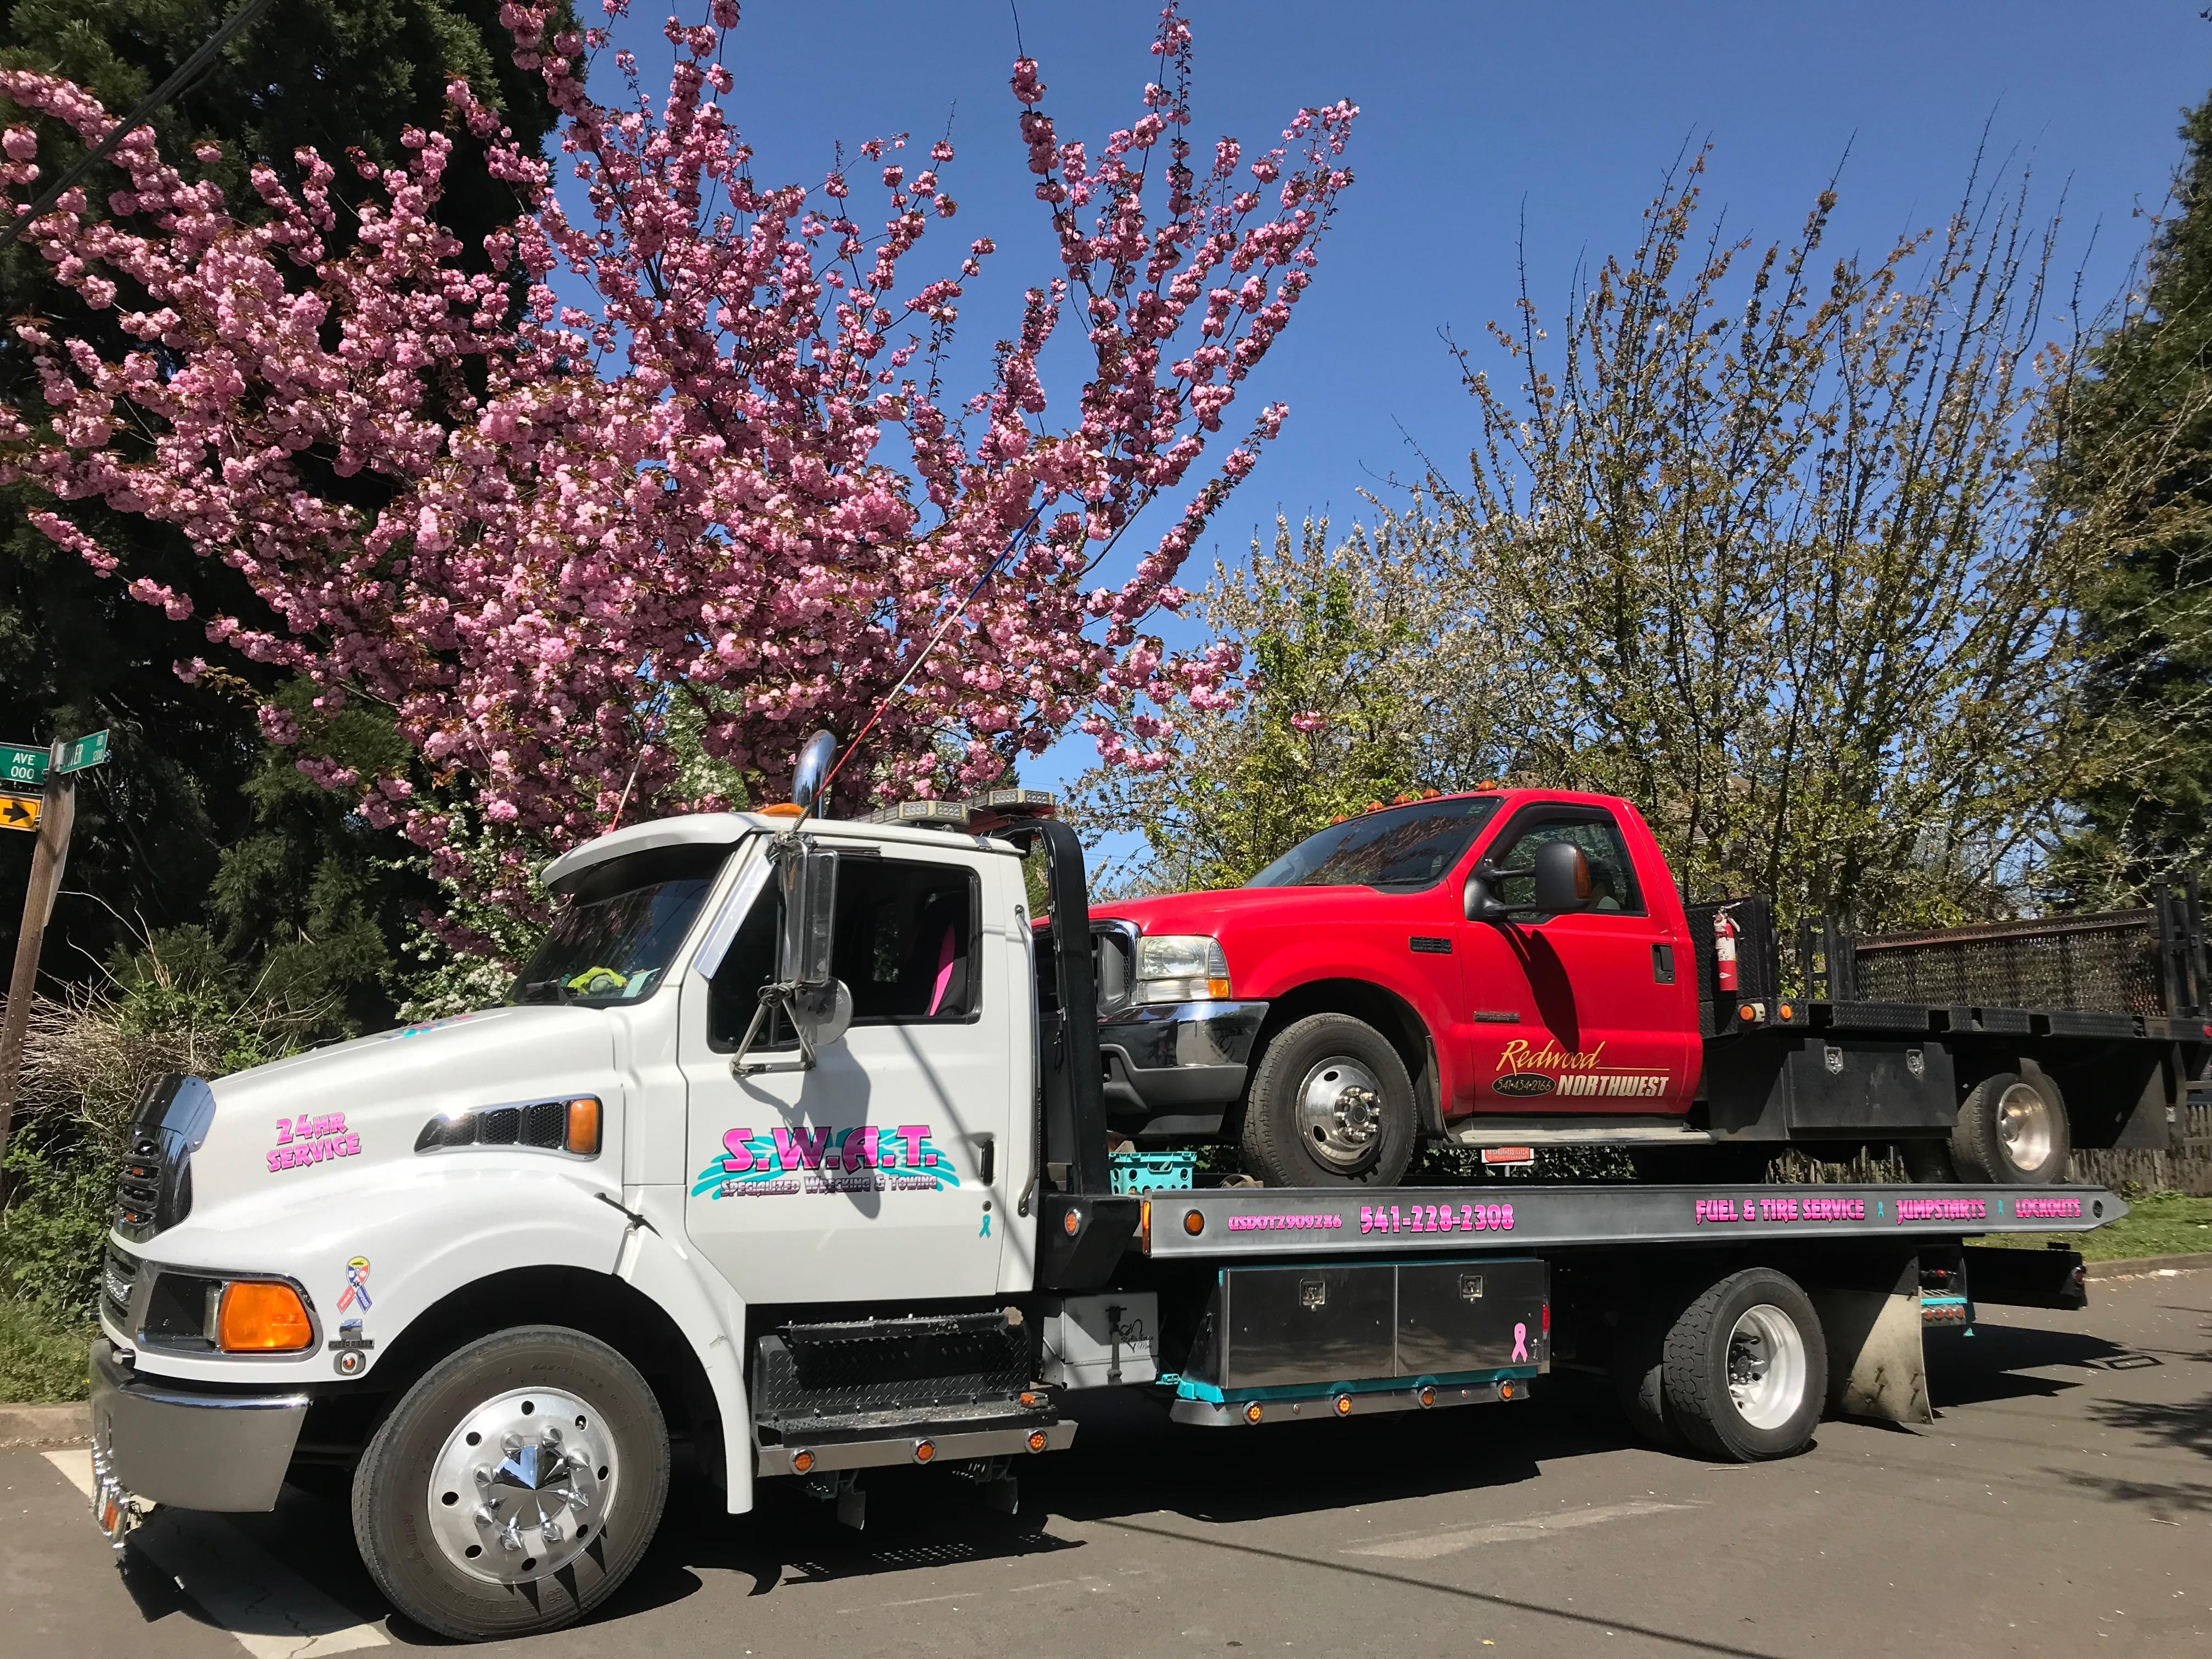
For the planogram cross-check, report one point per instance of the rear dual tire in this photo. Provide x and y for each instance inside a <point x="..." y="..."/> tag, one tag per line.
<point x="1738" y="1373"/>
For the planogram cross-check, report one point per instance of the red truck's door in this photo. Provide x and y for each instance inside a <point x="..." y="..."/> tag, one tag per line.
<point x="1593" y="1011"/>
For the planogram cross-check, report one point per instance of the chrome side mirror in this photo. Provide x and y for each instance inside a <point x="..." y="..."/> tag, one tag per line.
<point x="808" y="783"/>
<point x="807" y="875"/>
<point x="805" y="991"/>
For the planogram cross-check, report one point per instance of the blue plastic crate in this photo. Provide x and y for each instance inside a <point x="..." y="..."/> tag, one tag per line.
<point x="1153" y="1172"/>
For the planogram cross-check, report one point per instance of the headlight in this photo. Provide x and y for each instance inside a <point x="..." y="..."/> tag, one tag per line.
<point x="1181" y="968"/>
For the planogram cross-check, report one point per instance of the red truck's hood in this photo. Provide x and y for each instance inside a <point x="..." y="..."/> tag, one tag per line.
<point x="1208" y="912"/>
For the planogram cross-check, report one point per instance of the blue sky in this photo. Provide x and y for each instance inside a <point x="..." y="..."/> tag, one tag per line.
<point x="1476" y="117"/>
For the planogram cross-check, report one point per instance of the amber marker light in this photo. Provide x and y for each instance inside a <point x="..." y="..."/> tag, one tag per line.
<point x="1144" y="1225"/>
<point x="1252" y="1412"/>
<point x="1427" y="1396"/>
<point x="782" y="809"/>
<point x="1787" y="1011"/>
<point x="1071" y="1222"/>
<point x="801" y="1461"/>
<point x="1749" y="1011"/>
<point x="924" y="1450"/>
<point x="261" y="1316"/>
<point x="1344" y="1405"/>
<point x="1193" y="1222"/>
<point x="1505" y="1391"/>
<point x="1037" y="1439"/>
<point x="584" y="1126"/>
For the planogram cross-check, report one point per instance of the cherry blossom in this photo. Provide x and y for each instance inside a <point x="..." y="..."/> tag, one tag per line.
<point x="734" y="480"/>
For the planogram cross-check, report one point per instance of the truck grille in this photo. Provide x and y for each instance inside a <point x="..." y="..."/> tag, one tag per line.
<point x="1113" y="963"/>
<point x="153" y="1188"/>
<point x="117" y="1274"/>
<point x="138" y="1188"/>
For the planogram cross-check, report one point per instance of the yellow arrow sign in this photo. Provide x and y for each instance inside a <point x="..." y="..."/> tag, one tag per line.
<point x="19" y="812"/>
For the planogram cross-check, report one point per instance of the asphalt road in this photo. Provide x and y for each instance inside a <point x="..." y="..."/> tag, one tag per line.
<point x="2061" y="1503"/>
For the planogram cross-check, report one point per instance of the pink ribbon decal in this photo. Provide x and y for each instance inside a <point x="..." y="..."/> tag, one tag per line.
<point x="1521" y="1342"/>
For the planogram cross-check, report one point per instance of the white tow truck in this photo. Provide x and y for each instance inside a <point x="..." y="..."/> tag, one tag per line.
<point x="788" y="1151"/>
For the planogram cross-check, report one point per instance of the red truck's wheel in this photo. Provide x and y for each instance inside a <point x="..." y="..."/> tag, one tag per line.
<point x="1331" y="1106"/>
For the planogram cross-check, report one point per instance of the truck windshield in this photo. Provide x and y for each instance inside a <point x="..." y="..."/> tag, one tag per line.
<point x="611" y="942"/>
<point x="1404" y="846"/>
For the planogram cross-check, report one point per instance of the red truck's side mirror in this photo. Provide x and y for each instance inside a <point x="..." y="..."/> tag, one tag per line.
<point x="1563" y="878"/>
<point x="1560" y="874"/>
<point x="1482" y="904"/>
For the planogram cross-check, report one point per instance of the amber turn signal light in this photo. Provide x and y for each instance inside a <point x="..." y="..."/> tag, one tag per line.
<point x="583" y="1126"/>
<point x="261" y="1316"/>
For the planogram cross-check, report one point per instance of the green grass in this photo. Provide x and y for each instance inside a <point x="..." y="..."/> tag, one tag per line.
<point x="42" y="1355"/>
<point x="2164" y="1223"/>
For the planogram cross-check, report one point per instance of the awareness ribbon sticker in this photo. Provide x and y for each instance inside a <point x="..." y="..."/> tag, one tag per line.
<point x="1519" y="1340"/>
<point x="356" y="1290"/>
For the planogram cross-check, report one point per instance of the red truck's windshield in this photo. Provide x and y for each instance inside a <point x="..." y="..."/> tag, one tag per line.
<point x="1406" y="847"/>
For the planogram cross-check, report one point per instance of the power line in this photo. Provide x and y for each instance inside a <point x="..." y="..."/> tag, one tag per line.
<point x="183" y="76"/>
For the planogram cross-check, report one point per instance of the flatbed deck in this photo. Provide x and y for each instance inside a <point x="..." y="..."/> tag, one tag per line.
<point x="1225" y="1222"/>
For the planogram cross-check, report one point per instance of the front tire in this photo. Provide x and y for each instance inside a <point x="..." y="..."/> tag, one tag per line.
<point x="514" y="1486"/>
<point x="2013" y="1132"/>
<point x="1331" y="1106"/>
<point x="1746" y="1372"/>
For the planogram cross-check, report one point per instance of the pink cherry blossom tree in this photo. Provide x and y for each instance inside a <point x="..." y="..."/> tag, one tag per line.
<point x="734" y="481"/>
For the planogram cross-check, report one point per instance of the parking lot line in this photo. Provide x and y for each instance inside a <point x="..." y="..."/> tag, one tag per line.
<point x="1426" y="1546"/>
<point x="271" y="1612"/>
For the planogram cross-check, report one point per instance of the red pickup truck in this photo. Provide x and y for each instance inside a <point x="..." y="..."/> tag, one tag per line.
<point x="1513" y="967"/>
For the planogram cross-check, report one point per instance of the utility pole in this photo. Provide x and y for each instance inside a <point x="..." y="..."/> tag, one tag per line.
<point x="51" y="815"/>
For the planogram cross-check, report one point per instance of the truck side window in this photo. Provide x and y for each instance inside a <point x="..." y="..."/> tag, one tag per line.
<point x="1611" y="875"/>
<point x="905" y="948"/>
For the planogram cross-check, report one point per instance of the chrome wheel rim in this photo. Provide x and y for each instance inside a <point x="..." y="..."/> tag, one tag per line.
<point x="2025" y="1129"/>
<point x="1340" y="1113"/>
<point x="1765" y="1366"/>
<point x="522" y="1485"/>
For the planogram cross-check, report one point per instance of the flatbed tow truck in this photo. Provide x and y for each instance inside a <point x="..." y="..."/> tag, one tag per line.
<point x="790" y="1152"/>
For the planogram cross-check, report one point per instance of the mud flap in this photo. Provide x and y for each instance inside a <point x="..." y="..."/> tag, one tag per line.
<point x="1876" y="1367"/>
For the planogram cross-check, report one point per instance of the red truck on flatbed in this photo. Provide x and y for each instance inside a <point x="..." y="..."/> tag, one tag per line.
<point x="1510" y="969"/>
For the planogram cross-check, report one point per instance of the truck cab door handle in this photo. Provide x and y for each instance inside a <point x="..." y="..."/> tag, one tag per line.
<point x="1662" y="964"/>
<point x="986" y="1158"/>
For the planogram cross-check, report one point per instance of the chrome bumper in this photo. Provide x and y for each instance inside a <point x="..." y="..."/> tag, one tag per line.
<point x="1177" y="1066"/>
<point x="188" y="1445"/>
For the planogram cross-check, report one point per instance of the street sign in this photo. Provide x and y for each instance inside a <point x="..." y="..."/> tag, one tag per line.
<point x="21" y="765"/>
<point x="19" y="812"/>
<point x="84" y="751"/>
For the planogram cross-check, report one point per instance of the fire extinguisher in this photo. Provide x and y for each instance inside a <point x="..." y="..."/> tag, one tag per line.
<point x="1724" y="949"/>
